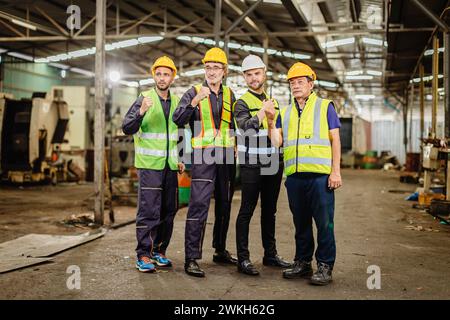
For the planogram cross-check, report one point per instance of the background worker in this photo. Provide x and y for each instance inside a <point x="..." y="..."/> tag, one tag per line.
<point x="309" y="132"/>
<point x="207" y="109"/>
<point x="155" y="138"/>
<point x="254" y="144"/>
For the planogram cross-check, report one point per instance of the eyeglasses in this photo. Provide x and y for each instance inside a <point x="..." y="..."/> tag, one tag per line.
<point x="215" y="69"/>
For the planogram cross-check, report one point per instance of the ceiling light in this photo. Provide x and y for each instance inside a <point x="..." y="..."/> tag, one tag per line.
<point x="374" y="72"/>
<point x="149" y="39"/>
<point x="365" y="97"/>
<point x="336" y="43"/>
<point x="20" y="56"/>
<point x="114" y="76"/>
<point x="82" y="71"/>
<point x="23" y="24"/>
<point x="354" y="73"/>
<point x="430" y="52"/>
<point x="146" y="82"/>
<point x="359" y="77"/>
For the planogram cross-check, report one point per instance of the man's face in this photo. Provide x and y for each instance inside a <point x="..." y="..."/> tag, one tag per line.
<point x="214" y="72"/>
<point x="163" y="78"/>
<point x="301" y="87"/>
<point x="255" y="78"/>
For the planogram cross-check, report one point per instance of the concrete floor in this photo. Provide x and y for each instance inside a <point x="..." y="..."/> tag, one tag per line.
<point x="372" y="228"/>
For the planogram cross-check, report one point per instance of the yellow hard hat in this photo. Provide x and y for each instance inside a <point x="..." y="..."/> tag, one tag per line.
<point x="164" y="61"/>
<point x="215" y="55"/>
<point x="301" y="70"/>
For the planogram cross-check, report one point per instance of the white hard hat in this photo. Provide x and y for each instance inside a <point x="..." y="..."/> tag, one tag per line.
<point x="252" y="62"/>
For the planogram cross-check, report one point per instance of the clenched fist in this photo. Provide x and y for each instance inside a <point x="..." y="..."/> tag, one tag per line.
<point x="202" y="94"/>
<point x="269" y="109"/>
<point x="146" y="104"/>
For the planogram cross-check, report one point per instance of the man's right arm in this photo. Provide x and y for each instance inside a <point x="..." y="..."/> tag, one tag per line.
<point x="184" y="110"/>
<point x="275" y="132"/>
<point x="244" y="119"/>
<point x="133" y="118"/>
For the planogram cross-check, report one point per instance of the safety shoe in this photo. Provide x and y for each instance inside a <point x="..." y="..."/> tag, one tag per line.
<point x="144" y="264"/>
<point x="323" y="275"/>
<point x="161" y="260"/>
<point x="276" y="261"/>
<point x="192" y="268"/>
<point x="247" y="267"/>
<point x="224" y="257"/>
<point x="300" y="269"/>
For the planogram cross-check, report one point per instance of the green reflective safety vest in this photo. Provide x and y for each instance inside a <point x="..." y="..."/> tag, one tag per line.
<point x="306" y="141"/>
<point x="210" y="136"/>
<point x="156" y="141"/>
<point x="254" y="105"/>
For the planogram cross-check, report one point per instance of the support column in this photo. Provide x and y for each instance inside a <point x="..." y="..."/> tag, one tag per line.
<point x="435" y="85"/>
<point x="99" y="121"/>
<point x="217" y="21"/>
<point x="447" y="83"/>
<point x="422" y="103"/>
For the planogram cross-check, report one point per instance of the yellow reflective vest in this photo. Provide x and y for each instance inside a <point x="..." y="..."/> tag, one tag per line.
<point x="254" y="104"/>
<point x="210" y="136"/>
<point x="156" y="140"/>
<point x="306" y="141"/>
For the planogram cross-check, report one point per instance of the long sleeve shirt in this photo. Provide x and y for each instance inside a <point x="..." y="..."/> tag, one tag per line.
<point x="133" y="120"/>
<point x="188" y="114"/>
<point x="185" y="114"/>
<point x="245" y="121"/>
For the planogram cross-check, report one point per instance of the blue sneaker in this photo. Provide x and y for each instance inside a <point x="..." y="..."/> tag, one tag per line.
<point x="144" y="264"/>
<point x="160" y="260"/>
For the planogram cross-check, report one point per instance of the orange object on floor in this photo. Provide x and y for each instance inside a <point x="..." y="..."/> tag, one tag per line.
<point x="425" y="198"/>
<point x="184" y="180"/>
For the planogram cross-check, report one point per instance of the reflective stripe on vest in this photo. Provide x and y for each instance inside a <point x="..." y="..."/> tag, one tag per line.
<point x="260" y="133"/>
<point x="160" y="136"/>
<point x="254" y="104"/>
<point x="210" y="136"/>
<point x="155" y="137"/>
<point x="306" y="143"/>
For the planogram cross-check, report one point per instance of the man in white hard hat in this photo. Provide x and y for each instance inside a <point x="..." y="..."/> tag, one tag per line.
<point x="260" y="166"/>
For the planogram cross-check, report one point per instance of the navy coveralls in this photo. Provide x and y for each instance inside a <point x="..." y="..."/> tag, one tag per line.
<point x="207" y="179"/>
<point x="157" y="193"/>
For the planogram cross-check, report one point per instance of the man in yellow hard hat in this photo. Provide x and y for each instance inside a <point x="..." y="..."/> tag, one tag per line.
<point x="261" y="166"/>
<point x="206" y="107"/>
<point x="155" y="138"/>
<point x="308" y="129"/>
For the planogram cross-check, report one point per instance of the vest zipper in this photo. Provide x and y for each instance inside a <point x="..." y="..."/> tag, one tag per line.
<point x="219" y="114"/>
<point x="167" y="136"/>
<point x="296" y="145"/>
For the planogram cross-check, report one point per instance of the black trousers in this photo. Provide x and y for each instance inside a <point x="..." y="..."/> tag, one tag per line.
<point x="254" y="184"/>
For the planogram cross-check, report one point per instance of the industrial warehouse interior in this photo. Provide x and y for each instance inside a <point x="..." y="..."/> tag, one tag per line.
<point x="74" y="189"/>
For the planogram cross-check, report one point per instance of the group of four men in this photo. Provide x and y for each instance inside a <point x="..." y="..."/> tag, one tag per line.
<point x="302" y="139"/>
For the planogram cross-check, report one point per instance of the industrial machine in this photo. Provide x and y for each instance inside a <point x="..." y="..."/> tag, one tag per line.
<point x="31" y="132"/>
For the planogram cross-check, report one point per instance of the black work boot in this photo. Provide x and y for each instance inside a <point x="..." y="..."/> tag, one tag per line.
<point x="192" y="268"/>
<point x="322" y="276"/>
<point x="301" y="269"/>
<point x="276" y="261"/>
<point x="247" y="267"/>
<point x="224" y="257"/>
